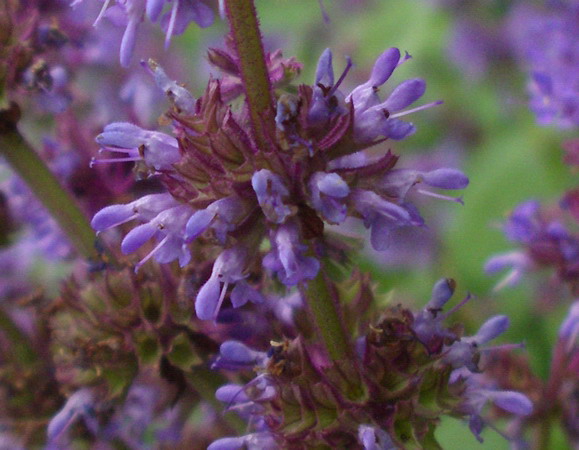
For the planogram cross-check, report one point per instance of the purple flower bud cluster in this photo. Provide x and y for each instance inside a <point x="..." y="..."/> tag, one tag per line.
<point x="223" y="188"/>
<point x="401" y="355"/>
<point x="545" y="242"/>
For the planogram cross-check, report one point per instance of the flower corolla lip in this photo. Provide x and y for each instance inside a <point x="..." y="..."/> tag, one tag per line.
<point x="228" y="269"/>
<point x="158" y="150"/>
<point x="287" y="257"/>
<point x="491" y="329"/>
<point x="511" y="401"/>
<point x="327" y="192"/>
<point x="79" y="404"/>
<point x="144" y="208"/>
<point x="441" y="293"/>
<point x="271" y="191"/>
<point x="230" y="393"/>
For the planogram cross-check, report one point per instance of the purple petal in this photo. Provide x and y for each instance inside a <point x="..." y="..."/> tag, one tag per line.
<point x="491" y="329"/>
<point x="228" y="443"/>
<point x="405" y="94"/>
<point x="207" y="299"/>
<point x="397" y="129"/>
<point x="513" y="402"/>
<point x="325" y="70"/>
<point x="230" y="393"/>
<point x="332" y="184"/>
<point x="441" y="293"/>
<point x="154" y="8"/>
<point x="122" y="135"/>
<point x="128" y="42"/>
<point x="198" y="223"/>
<point x="384" y="66"/>
<point x="446" y="179"/>
<point x="242" y="293"/>
<point x="137" y="237"/>
<point x="111" y="216"/>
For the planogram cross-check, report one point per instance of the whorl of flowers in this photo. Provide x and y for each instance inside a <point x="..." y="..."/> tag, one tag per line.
<point x="314" y="169"/>
<point x="545" y="241"/>
<point x="413" y="369"/>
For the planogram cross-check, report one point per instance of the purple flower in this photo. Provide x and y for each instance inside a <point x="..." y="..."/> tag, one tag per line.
<point x="462" y="353"/>
<point x="373" y="117"/>
<point x="177" y="94"/>
<point x="326" y="99"/>
<point x="328" y="192"/>
<point x="234" y="355"/>
<point x="229" y="268"/>
<point x="78" y="406"/>
<point x="158" y="150"/>
<point x="271" y="191"/>
<point x="221" y="216"/>
<point x="545" y="241"/>
<point x="164" y="218"/>
<point x="287" y="257"/>
<point x="381" y="216"/>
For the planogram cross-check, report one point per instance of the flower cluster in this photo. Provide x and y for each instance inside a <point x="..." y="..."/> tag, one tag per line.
<point x="413" y="370"/>
<point x="223" y="188"/>
<point x="545" y="241"/>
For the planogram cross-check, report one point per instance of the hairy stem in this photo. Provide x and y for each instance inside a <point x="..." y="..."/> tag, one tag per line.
<point x="324" y="310"/>
<point x="247" y="38"/>
<point x="42" y="182"/>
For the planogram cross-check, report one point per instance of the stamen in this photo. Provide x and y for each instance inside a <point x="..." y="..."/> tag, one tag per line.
<point x="419" y="108"/>
<point x="128" y="151"/>
<point x="101" y="13"/>
<point x="171" y="26"/>
<point x="342" y="77"/>
<point x="221" y="298"/>
<point x="151" y="253"/>
<point x="94" y="161"/>
<point x="518" y="346"/>
<point x="463" y="302"/>
<point x="440" y="196"/>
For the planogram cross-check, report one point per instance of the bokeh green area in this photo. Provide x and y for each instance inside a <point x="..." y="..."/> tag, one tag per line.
<point x="508" y="159"/>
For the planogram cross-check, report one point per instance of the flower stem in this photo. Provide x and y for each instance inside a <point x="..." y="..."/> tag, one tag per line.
<point x="254" y="74"/>
<point x="324" y="310"/>
<point x="30" y="167"/>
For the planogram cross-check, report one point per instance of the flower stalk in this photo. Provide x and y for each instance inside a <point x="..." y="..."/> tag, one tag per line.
<point x="247" y="40"/>
<point x="326" y="318"/>
<point x="60" y="204"/>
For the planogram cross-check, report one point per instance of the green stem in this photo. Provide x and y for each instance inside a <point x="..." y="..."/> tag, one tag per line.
<point x="247" y="38"/>
<point x="59" y="203"/>
<point x="327" y="318"/>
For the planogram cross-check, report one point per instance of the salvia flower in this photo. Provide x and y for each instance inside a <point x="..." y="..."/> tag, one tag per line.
<point x="132" y="13"/>
<point x="545" y="242"/>
<point x="158" y="150"/>
<point x="227" y="189"/>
